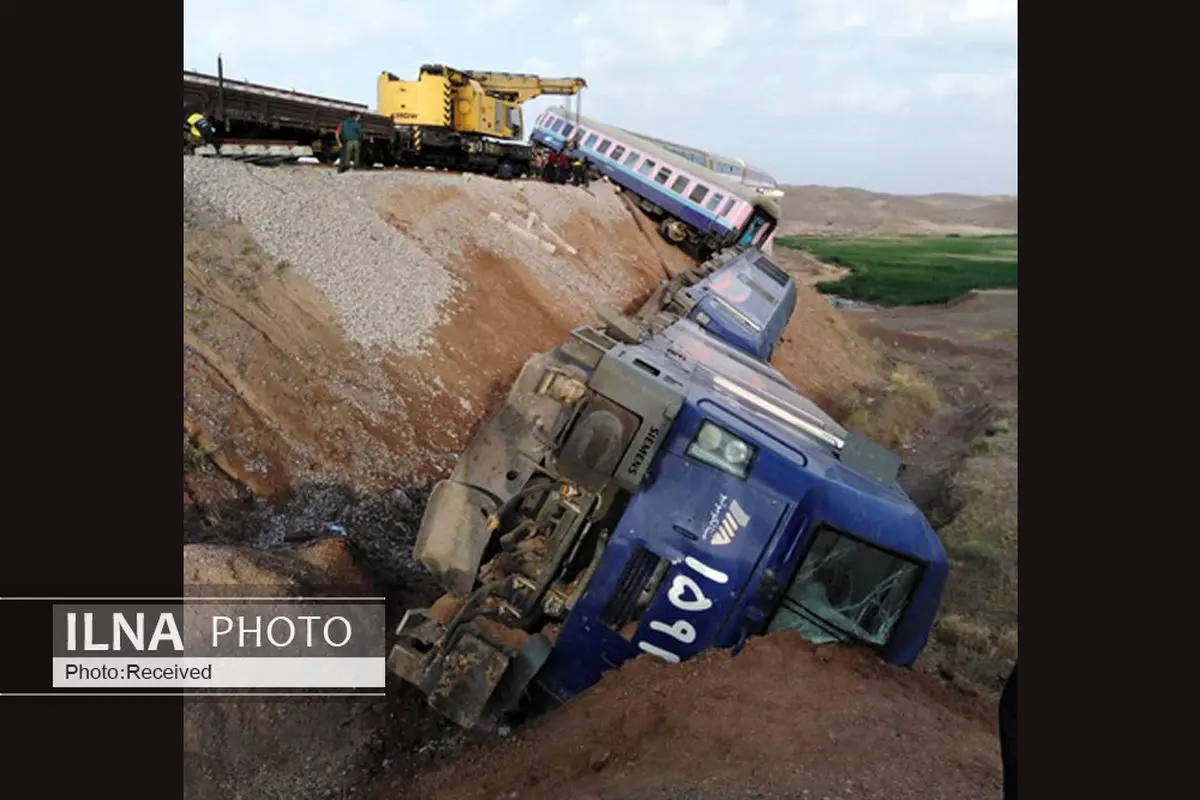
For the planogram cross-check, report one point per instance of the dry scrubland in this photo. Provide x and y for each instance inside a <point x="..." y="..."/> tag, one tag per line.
<point x="857" y="212"/>
<point x="343" y="337"/>
<point x="962" y="467"/>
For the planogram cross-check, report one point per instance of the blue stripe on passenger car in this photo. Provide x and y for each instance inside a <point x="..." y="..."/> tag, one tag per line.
<point x="687" y="211"/>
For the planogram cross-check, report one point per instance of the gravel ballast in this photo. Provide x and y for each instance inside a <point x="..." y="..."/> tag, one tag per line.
<point x="391" y="287"/>
<point x="386" y="288"/>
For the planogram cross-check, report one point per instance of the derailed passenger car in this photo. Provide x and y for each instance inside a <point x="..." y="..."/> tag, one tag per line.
<point x="649" y="488"/>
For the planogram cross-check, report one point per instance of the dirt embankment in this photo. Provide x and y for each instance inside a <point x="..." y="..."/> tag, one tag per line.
<point x="307" y="364"/>
<point x="847" y="211"/>
<point x="344" y="335"/>
<point x="781" y="719"/>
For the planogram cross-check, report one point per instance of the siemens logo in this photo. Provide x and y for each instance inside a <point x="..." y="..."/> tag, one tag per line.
<point x="643" y="450"/>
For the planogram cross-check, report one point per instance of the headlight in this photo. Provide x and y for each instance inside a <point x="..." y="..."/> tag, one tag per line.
<point x="737" y="452"/>
<point x="703" y="319"/>
<point x="721" y="449"/>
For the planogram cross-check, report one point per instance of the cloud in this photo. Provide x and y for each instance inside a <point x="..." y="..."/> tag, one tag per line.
<point x="487" y="12"/>
<point x="665" y="33"/>
<point x="907" y="18"/>
<point x="864" y="95"/>
<point x="539" y="66"/>
<point x="293" y="30"/>
<point x="979" y="84"/>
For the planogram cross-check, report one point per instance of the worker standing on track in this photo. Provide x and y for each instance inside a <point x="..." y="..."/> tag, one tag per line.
<point x="579" y="172"/>
<point x="197" y="130"/>
<point x="562" y="164"/>
<point x="349" y="138"/>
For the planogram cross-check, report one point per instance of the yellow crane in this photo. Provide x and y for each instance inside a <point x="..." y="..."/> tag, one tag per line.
<point x="465" y="119"/>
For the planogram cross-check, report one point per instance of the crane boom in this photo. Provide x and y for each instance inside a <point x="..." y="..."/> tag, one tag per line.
<point x="517" y="87"/>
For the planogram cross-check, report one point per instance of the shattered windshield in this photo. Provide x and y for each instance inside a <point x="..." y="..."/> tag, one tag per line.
<point x="847" y="589"/>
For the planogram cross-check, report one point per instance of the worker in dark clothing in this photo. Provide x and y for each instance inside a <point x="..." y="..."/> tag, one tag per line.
<point x="579" y="171"/>
<point x="197" y="130"/>
<point x="349" y="138"/>
<point x="1008" y="734"/>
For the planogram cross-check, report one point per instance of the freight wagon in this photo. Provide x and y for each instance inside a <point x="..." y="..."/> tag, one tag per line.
<point x="269" y="121"/>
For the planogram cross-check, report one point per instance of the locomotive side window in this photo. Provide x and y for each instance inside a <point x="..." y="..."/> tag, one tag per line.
<point x="603" y="148"/>
<point x="714" y="201"/>
<point x="646" y="167"/>
<point x="617" y="152"/>
<point x="698" y="193"/>
<point x="567" y="131"/>
<point x="680" y="184"/>
<point x="591" y="140"/>
<point x="662" y="175"/>
<point x="728" y="207"/>
<point x="632" y="158"/>
<point x="557" y="126"/>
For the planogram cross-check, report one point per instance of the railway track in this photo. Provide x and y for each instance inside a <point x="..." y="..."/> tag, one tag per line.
<point x="279" y="160"/>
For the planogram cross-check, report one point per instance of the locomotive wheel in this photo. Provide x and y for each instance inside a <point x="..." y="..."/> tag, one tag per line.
<point x="674" y="230"/>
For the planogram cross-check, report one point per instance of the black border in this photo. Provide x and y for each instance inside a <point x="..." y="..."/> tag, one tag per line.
<point x="93" y="372"/>
<point x="1095" y="663"/>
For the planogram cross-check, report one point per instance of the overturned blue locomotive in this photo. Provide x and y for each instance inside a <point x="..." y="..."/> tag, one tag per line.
<point x="655" y="486"/>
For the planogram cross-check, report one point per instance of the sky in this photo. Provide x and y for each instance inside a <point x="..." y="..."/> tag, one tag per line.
<point x="902" y="96"/>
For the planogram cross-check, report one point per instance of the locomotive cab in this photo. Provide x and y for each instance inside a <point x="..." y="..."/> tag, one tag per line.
<point x="758" y="228"/>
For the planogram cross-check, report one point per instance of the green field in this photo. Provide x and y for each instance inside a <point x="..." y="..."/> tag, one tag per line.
<point x="913" y="270"/>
